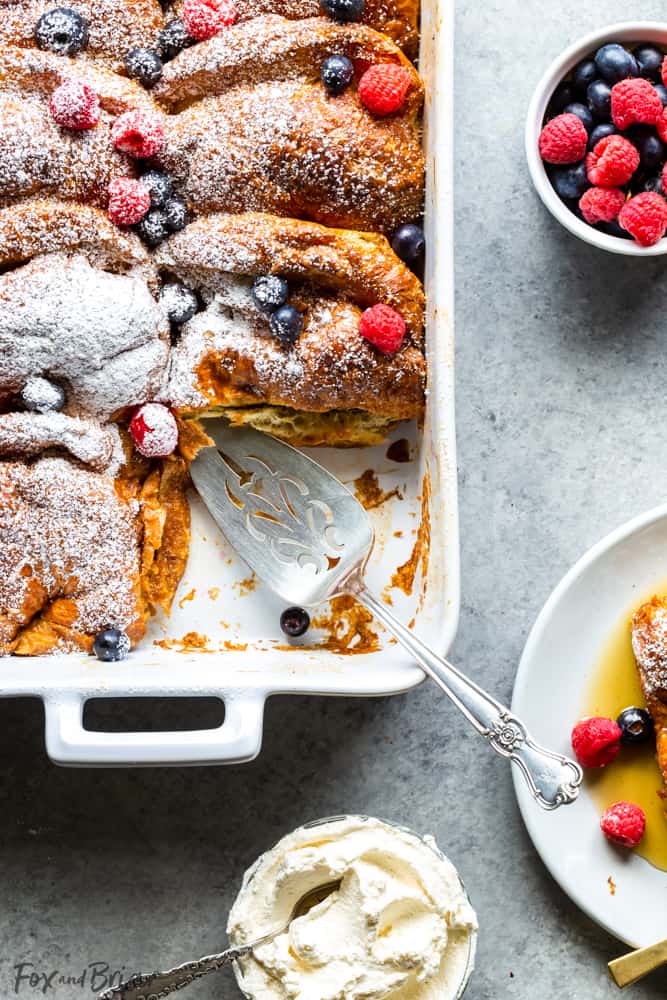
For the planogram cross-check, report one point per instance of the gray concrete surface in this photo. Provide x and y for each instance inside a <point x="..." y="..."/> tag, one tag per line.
<point x="561" y="404"/>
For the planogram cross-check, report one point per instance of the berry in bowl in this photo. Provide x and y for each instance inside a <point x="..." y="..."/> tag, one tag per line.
<point x="596" y="139"/>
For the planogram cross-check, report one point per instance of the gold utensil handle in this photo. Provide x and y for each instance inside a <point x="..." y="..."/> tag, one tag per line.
<point x="630" y="968"/>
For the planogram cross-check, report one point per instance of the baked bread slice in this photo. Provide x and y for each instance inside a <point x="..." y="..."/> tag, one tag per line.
<point x="37" y="157"/>
<point x="649" y="642"/>
<point x="256" y="130"/>
<point x="114" y="26"/>
<point x="78" y="305"/>
<point x="81" y="552"/>
<point x="328" y="387"/>
<point x="398" y="19"/>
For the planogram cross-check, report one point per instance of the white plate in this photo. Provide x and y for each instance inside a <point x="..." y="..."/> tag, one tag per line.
<point x="248" y="658"/>
<point x="555" y="672"/>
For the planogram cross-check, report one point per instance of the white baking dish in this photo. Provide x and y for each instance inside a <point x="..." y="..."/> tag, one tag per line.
<point x="245" y="678"/>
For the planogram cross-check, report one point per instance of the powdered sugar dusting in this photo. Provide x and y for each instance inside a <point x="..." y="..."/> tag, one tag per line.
<point x="268" y="49"/>
<point x="227" y="355"/>
<point x="101" y="335"/>
<point x="285" y="148"/>
<point x="29" y="434"/>
<point x="66" y="533"/>
<point x="115" y="26"/>
<point x="36" y="155"/>
<point x="649" y="643"/>
<point x="397" y="18"/>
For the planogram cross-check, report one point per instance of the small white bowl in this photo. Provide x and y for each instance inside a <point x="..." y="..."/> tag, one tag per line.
<point x="626" y="32"/>
<point x="469" y="968"/>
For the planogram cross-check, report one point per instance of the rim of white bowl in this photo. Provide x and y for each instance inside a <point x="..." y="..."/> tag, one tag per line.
<point x="624" y="31"/>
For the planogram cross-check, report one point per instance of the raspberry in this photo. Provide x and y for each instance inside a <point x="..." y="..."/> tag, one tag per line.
<point x="612" y="162"/>
<point x="138" y="134"/>
<point x="128" y="201"/>
<point x="663" y="71"/>
<point x="384" y="87"/>
<point x="664" y="178"/>
<point x="624" y="824"/>
<point x="645" y="217"/>
<point x="633" y="102"/>
<point x="154" y="430"/>
<point x="563" y="140"/>
<point x="383" y="327"/>
<point x="75" y="105"/>
<point x="662" y="126"/>
<point x="601" y="204"/>
<point x="596" y="741"/>
<point x="205" y="18"/>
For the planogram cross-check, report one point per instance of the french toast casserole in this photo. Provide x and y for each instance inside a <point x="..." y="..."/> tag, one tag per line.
<point x="206" y="208"/>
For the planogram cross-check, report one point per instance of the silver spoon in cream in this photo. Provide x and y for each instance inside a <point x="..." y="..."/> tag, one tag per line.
<point x="156" y="985"/>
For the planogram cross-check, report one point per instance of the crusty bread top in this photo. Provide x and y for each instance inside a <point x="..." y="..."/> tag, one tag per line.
<point x="115" y="26"/>
<point x="649" y="642"/>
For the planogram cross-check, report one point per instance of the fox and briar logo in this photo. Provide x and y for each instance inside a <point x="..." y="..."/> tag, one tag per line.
<point x="31" y="980"/>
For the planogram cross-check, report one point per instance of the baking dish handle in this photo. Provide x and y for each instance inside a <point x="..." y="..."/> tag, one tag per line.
<point x="238" y="739"/>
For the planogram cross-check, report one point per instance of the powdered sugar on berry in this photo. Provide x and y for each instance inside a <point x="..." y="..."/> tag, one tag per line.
<point x="154" y="431"/>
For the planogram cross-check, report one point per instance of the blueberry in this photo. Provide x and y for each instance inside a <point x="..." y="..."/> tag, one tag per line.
<point x="337" y="74"/>
<point x="614" y="229"/>
<point x="295" y="622"/>
<point x="615" y="63"/>
<point x="582" y="112"/>
<point x="270" y="292"/>
<point x="652" y="183"/>
<point x="651" y="149"/>
<point x="583" y="75"/>
<point x="562" y="95"/>
<point x="111" y="645"/>
<point x="176" y="213"/>
<point x="661" y="91"/>
<point x="160" y="187"/>
<point x="600" y="132"/>
<point x="343" y="10"/>
<point x="62" y="30"/>
<point x="649" y="60"/>
<point x="173" y="39"/>
<point x="287" y="324"/>
<point x="636" y="726"/>
<point x="598" y="96"/>
<point x="408" y="242"/>
<point x="570" y="181"/>
<point x="154" y="227"/>
<point x="179" y="301"/>
<point x="143" y="65"/>
<point x="39" y="395"/>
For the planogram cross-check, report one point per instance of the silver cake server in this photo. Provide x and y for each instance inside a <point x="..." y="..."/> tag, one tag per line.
<point x="309" y="539"/>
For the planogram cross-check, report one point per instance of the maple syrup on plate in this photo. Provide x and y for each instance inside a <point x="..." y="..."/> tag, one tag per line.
<point x="634" y="775"/>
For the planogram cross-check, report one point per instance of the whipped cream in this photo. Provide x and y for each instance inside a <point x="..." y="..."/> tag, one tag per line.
<point x="399" y="927"/>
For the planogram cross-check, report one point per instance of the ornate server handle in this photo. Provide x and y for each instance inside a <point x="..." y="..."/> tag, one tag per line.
<point x="157" y="985"/>
<point x="554" y="780"/>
